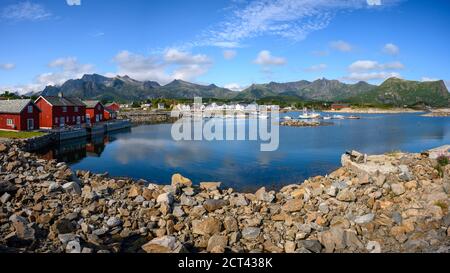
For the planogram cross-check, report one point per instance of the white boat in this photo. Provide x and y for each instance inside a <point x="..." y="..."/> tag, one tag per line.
<point x="306" y="115"/>
<point x="263" y="116"/>
<point x="326" y="117"/>
<point x="287" y="118"/>
<point x="338" y="117"/>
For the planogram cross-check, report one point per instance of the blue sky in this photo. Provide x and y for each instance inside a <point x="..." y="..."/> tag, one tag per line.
<point x="231" y="43"/>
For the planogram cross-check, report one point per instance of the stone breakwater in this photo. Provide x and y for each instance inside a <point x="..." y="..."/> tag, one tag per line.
<point x="385" y="203"/>
<point x="147" y="117"/>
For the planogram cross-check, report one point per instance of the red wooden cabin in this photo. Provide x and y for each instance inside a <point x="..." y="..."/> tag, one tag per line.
<point x="113" y="106"/>
<point x="59" y="111"/>
<point x="109" y="114"/>
<point x="19" y="115"/>
<point x="94" y="111"/>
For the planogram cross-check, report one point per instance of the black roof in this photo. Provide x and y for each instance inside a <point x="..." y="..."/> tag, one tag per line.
<point x="63" y="101"/>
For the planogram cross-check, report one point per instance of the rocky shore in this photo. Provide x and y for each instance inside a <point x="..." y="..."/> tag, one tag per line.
<point x="382" y="203"/>
<point x="438" y="113"/>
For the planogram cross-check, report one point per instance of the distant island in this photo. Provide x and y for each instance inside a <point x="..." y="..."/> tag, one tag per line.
<point x="393" y="92"/>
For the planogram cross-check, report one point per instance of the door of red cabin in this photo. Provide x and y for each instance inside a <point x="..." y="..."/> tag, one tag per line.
<point x="30" y="124"/>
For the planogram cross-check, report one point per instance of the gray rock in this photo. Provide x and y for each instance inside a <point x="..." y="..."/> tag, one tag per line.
<point x="332" y="191"/>
<point x="262" y="195"/>
<point x="68" y="237"/>
<point x="251" y="233"/>
<point x="5" y="197"/>
<point x="178" y="212"/>
<point x="165" y="198"/>
<point x="238" y="200"/>
<point x="22" y="227"/>
<point x="311" y="245"/>
<point x="72" y="187"/>
<point x="323" y="207"/>
<point x="187" y="201"/>
<point x="364" y="219"/>
<point x="113" y="222"/>
<point x="54" y="187"/>
<point x="405" y="173"/>
<point x="340" y="185"/>
<point x="397" y="217"/>
<point x="73" y="247"/>
<point x="373" y="247"/>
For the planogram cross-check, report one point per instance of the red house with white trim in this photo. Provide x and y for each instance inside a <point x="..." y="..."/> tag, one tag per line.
<point x="19" y="115"/>
<point x="59" y="111"/>
<point x="94" y="111"/>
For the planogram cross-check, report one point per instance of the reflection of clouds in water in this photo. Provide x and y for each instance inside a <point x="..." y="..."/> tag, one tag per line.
<point x="175" y="154"/>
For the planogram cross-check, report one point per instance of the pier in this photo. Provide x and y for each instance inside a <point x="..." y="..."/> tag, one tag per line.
<point x="73" y="133"/>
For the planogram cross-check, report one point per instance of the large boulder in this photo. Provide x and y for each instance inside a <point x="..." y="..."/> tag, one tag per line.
<point x="166" y="244"/>
<point x="179" y="180"/>
<point x="22" y="227"/>
<point x="207" y="226"/>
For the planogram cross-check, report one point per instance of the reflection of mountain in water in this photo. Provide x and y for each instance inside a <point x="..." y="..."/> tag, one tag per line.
<point x="74" y="150"/>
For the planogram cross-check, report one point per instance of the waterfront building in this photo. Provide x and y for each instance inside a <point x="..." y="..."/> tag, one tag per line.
<point x="19" y="115"/>
<point x="59" y="111"/>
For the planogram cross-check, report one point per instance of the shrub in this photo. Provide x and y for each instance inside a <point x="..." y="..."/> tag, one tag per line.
<point x="443" y="160"/>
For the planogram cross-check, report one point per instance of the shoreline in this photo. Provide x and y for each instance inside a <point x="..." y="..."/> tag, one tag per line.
<point x="364" y="206"/>
<point x="375" y="111"/>
<point x="445" y="112"/>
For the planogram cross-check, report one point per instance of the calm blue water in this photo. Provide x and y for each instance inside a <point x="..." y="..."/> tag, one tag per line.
<point x="149" y="152"/>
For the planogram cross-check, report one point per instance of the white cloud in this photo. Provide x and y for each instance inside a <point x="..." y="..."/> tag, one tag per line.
<point x="316" y="68"/>
<point x="391" y="49"/>
<point x="229" y="54"/>
<point x="374" y="2"/>
<point x="7" y="66"/>
<point x="265" y="58"/>
<point x="428" y="79"/>
<point x="69" y="68"/>
<point x="25" y="11"/>
<point x="65" y="69"/>
<point x="73" y="2"/>
<point x="291" y="19"/>
<point x="366" y="65"/>
<point x="234" y="87"/>
<point x="341" y="46"/>
<point x="355" y="76"/>
<point x="172" y="64"/>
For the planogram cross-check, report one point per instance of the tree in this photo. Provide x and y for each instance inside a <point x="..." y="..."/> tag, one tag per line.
<point x="135" y="104"/>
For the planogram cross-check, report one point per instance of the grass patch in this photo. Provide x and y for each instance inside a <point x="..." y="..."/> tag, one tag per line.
<point x="20" y="135"/>
<point x="442" y="205"/>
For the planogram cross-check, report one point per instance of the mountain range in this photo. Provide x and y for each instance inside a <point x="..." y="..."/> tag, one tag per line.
<point x="394" y="91"/>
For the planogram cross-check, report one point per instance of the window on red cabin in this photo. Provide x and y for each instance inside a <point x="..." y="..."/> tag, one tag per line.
<point x="30" y="108"/>
<point x="56" y="120"/>
<point x="10" y="122"/>
<point x="64" y="109"/>
<point x="75" y="109"/>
